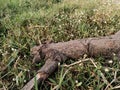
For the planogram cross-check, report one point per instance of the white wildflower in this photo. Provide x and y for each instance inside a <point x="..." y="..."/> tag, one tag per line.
<point x="114" y="54"/>
<point x="25" y="69"/>
<point x="25" y="56"/>
<point x="110" y="61"/>
<point x="106" y="70"/>
<point x="6" y="52"/>
<point x="24" y="81"/>
<point x="71" y="35"/>
<point x="79" y="21"/>
<point x="59" y="64"/>
<point x="28" y="70"/>
<point x="76" y="81"/>
<point x="94" y="10"/>
<point x="105" y="22"/>
<point x="13" y="79"/>
<point x="82" y="13"/>
<point x="60" y="26"/>
<point x="13" y="49"/>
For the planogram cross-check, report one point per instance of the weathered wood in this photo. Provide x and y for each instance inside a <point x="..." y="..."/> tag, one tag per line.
<point x="105" y="46"/>
<point x="55" y="53"/>
<point x="52" y="59"/>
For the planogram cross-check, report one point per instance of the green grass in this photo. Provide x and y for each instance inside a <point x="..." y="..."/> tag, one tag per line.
<point x="25" y="23"/>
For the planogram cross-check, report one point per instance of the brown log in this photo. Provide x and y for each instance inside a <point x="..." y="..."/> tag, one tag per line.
<point x="57" y="52"/>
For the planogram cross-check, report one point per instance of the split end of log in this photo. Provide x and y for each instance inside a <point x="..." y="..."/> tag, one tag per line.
<point x="41" y="76"/>
<point x="50" y="65"/>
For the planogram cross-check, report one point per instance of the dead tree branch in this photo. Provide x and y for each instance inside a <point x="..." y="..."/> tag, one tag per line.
<point x="55" y="53"/>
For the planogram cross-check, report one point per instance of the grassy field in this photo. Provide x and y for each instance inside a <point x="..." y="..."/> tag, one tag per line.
<point x="25" y="23"/>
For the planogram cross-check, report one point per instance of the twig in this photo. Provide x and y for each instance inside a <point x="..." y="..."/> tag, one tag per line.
<point x="4" y="88"/>
<point x="36" y="26"/>
<point x="102" y="75"/>
<point x="116" y="87"/>
<point x="115" y="75"/>
<point x="77" y="62"/>
<point x="58" y="86"/>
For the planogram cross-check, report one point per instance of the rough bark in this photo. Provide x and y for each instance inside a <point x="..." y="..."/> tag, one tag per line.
<point x="57" y="52"/>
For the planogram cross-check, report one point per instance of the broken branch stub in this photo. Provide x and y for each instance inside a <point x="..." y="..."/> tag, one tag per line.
<point x="58" y="52"/>
<point x="52" y="58"/>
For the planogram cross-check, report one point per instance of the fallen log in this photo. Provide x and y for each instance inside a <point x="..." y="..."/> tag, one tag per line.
<point x="55" y="53"/>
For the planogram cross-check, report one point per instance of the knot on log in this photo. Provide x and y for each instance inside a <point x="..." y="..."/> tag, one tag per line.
<point x="37" y="53"/>
<point x="52" y="57"/>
